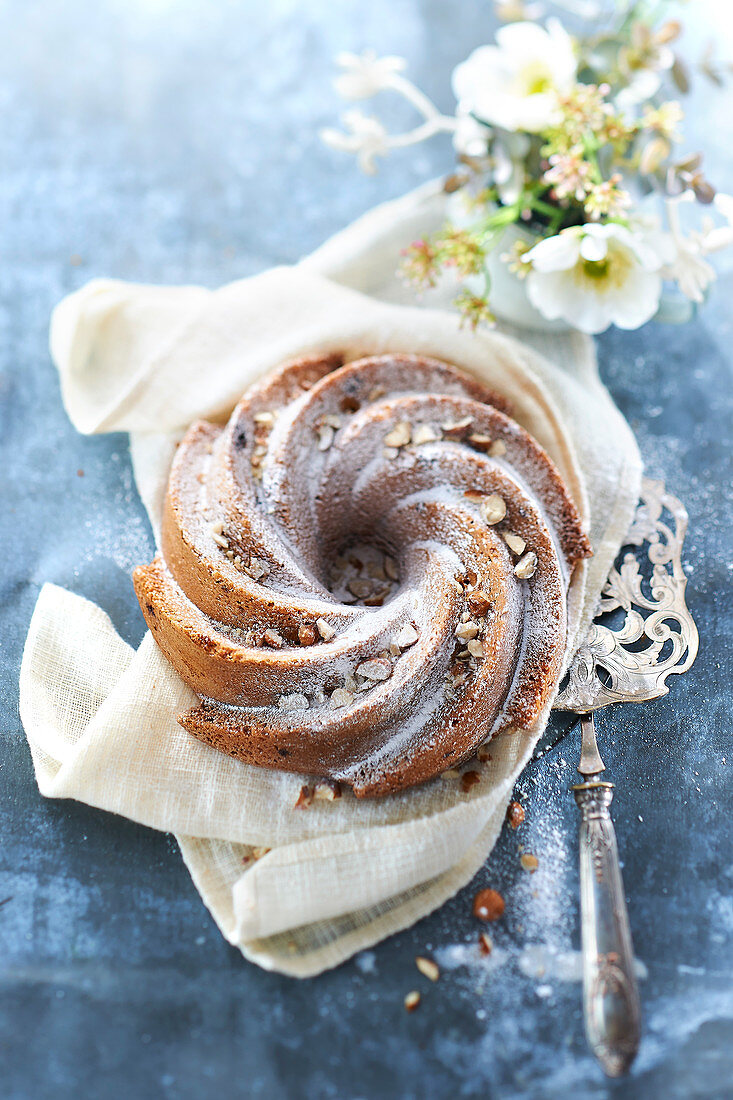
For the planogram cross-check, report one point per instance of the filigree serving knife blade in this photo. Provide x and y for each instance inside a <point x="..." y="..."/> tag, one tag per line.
<point x="629" y="664"/>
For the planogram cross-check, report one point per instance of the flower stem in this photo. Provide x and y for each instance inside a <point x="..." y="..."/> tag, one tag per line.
<point x="420" y="133"/>
<point x="418" y="100"/>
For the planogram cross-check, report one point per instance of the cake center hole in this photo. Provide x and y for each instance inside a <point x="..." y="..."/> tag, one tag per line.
<point x="361" y="573"/>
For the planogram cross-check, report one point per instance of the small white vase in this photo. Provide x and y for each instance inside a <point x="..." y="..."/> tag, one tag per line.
<point x="509" y="301"/>
<point x="508" y="293"/>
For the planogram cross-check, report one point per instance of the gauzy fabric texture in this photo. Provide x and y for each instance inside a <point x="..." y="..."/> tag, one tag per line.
<point x="297" y="891"/>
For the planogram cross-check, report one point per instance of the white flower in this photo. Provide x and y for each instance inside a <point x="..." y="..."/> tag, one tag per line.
<point x="689" y="268"/>
<point x="515" y="84"/>
<point x="593" y="276"/>
<point x="642" y="63"/>
<point x="718" y="237"/>
<point x="691" y="271"/>
<point x="365" y="136"/>
<point x="366" y="74"/>
<point x="640" y="88"/>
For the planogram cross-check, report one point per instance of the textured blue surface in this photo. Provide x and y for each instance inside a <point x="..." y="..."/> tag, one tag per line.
<point x="170" y="141"/>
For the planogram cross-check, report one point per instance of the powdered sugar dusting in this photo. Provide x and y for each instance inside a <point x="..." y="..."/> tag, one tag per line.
<point x="371" y="498"/>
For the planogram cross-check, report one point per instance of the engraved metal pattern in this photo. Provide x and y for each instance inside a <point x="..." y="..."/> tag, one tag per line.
<point x="612" y="983"/>
<point x="658" y="636"/>
<point x="628" y="664"/>
<point x="612" y="1009"/>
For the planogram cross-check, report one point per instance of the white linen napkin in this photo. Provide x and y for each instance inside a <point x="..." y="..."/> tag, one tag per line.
<point x="296" y="890"/>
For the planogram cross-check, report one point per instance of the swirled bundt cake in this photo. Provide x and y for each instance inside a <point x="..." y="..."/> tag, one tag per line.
<point x="364" y="573"/>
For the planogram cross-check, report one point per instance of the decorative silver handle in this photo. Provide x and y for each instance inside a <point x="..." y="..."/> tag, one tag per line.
<point x="610" y="990"/>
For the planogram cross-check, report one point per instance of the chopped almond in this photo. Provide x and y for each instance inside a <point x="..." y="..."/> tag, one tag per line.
<point x="427" y="967"/>
<point x="515" y="814"/>
<point x="485" y="944"/>
<point x="488" y="905"/>
<point x="307" y="634"/>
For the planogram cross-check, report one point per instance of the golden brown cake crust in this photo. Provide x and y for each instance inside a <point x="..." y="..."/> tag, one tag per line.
<point x="364" y="572"/>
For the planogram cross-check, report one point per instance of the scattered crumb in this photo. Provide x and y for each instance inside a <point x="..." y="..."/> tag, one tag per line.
<point x="515" y="814"/>
<point x="468" y="780"/>
<point x="427" y="967"/>
<point x="488" y="905"/>
<point x="327" y="790"/>
<point x="305" y="797"/>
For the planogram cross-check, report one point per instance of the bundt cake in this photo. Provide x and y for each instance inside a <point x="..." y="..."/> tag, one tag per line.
<point x="363" y="575"/>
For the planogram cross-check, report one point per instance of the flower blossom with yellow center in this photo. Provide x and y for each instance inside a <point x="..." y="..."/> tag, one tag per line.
<point x="516" y="83"/>
<point x="593" y="276"/>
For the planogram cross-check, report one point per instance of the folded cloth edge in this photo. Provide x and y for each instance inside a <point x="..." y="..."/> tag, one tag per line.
<point x="621" y="506"/>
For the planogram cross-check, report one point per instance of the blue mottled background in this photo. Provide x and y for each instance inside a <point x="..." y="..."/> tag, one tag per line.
<point x="175" y="141"/>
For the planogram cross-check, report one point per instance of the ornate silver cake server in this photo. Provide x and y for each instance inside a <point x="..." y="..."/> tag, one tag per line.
<point x="628" y="664"/>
